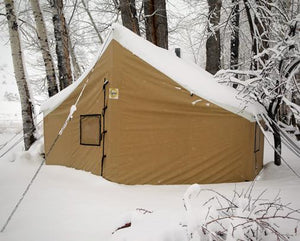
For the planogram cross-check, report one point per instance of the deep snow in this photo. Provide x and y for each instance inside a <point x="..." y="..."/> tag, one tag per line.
<point x="68" y="204"/>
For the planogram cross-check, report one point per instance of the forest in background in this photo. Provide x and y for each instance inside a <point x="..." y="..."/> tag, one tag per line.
<point x="251" y="45"/>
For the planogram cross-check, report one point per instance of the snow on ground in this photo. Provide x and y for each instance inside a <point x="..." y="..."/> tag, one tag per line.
<point x="68" y="204"/>
<point x="10" y="109"/>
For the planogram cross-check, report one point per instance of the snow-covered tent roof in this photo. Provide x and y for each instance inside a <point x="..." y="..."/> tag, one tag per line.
<point x="190" y="76"/>
<point x="131" y="119"/>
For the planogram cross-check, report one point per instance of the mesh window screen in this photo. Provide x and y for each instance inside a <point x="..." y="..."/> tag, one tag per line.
<point x="90" y="126"/>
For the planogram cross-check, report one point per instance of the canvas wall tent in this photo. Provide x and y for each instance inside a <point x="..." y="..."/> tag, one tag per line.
<point x="144" y="116"/>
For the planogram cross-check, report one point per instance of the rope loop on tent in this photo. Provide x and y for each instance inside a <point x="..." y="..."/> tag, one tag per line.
<point x="105" y="83"/>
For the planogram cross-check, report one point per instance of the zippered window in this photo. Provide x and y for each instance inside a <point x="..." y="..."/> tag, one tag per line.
<point x="90" y="129"/>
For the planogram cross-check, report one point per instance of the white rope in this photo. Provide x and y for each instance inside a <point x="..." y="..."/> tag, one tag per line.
<point x="42" y="163"/>
<point x="22" y="197"/>
<point x="53" y="144"/>
<point x="20" y="131"/>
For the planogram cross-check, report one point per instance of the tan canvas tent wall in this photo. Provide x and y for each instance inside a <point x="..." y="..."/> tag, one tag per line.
<point x="134" y="124"/>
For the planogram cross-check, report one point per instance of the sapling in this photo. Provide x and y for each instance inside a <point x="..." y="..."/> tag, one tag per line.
<point x="246" y="215"/>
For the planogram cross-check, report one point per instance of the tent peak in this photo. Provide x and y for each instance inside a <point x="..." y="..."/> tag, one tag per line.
<point x="187" y="75"/>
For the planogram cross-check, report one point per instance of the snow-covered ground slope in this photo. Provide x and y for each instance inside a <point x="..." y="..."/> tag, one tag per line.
<point x="67" y="204"/>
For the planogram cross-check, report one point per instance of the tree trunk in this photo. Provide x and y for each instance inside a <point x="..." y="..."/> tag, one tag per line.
<point x="235" y="40"/>
<point x="76" y="67"/>
<point x="262" y="23"/>
<point x="259" y="30"/>
<point x="43" y="41"/>
<point x="156" y="22"/>
<point x="62" y="44"/>
<point x="277" y="146"/>
<point x="252" y="33"/>
<point x="213" y="44"/>
<point x="129" y="17"/>
<point x="26" y="104"/>
<point x="149" y="21"/>
<point x="273" y="109"/>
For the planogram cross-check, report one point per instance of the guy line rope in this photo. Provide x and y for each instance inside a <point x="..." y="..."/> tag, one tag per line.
<point x="42" y="163"/>
<point x="54" y="142"/>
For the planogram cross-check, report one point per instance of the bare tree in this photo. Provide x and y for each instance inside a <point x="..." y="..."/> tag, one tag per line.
<point x="18" y="63"/>
<point x="244" y="215"/>
<point x="76" y="67"/>
<point x="156" y="22"/>
<point x="85" y="6"/>
<point x="235" y="40"/>
<point x="213" y="44"/>
<point x="273" y="79"/>
<point x="43" y="42"/>
<point x="62" y="43"/>
<point x="258" y="14"/>
<point x="129" y="16"/>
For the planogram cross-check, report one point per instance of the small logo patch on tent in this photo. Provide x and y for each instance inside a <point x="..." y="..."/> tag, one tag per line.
<point x="114" y="93"/>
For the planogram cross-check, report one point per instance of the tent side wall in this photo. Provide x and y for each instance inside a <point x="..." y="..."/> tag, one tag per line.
<point x="159" y="134"/>
<point x="67" y="150"/>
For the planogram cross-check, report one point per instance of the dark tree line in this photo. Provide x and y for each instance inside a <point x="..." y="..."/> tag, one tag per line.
<point x="155" y="19"/>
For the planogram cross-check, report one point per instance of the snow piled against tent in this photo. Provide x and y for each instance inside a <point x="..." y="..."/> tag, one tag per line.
<point x="68" y="204"/>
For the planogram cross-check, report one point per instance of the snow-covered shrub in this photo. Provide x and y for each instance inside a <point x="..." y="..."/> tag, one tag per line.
<point x="243" y="216"/>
